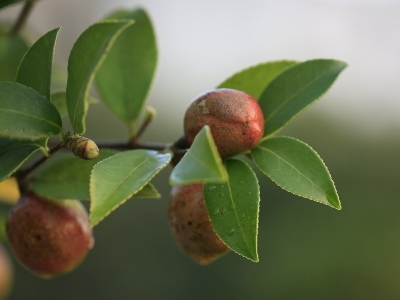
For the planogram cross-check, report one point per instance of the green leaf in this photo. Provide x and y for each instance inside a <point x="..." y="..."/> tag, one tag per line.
<point x="36" y="66"/>
<point x="119" y="177"/>
<point x="295" y="89"/>
<point x="233" y="208"/>
<point x="5" y="3"/>
<point x="201" y="162"/>
<point x="12" y="49"/>
<point x="87" y="54"/>
<point x="25" y="114"/>
<point x="255" y="79"/>
<point x="68" y="178"/>
<point x="13" y="154"/>
<point x="125" y="77"/>
<point x="297" y="168"/>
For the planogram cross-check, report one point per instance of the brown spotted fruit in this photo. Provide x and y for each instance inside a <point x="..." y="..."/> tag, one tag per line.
<point x="48" y="237"/>
<point x="191" y="226"/>
<point x="235" y="119"/>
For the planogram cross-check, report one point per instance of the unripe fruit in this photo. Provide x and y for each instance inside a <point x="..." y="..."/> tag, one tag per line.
<point x="6" y="273"/>
<point x="48" y="237"/>
<point x="191" y="226"/>
<point x="234" y="117"/>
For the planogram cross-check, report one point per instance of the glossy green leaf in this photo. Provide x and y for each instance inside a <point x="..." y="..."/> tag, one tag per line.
<point x="12" y="49"/>
<point x="295" y="89"/>
<point x="13" y="154"/>
<point x="297" y="168"/>
<point x="255" y="79"/>
<point x="68" y="178"/>
<point x="201" y="163"/>
<point x="36" y="66"/>
<point x="124" y="79"/>
<point x="4" y="3"/>
<point x="87" y="54"/>
<point x="233" y="208"/>
<point x="119" y="177"/>
<point x="26" y="114"/>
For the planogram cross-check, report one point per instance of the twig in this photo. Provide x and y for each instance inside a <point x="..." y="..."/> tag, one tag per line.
<point x="22" y="174"/>
<point x="23" y="16"/>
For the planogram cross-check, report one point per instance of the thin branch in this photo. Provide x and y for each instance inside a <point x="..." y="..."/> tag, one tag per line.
<point x="23" y="16"/>
<point x="150" y="114"/>
<point x="136" y="145"/>
<point x="22" y="174"/>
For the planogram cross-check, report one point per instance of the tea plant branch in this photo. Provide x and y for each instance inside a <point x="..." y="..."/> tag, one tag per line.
<point x="23" y="16"/>
<point x="21" y="175"/>
<point x="177" y="148"/>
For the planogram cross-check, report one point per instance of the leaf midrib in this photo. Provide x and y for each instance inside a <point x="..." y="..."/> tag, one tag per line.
<point x="295" y="95"/>
<point x="289" y="164"/>
<point x="29" y="116"/>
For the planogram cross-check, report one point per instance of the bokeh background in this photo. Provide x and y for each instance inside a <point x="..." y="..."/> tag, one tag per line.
<point x="307" y="250"/>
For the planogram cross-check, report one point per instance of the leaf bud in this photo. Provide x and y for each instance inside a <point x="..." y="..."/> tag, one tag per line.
<point x="81" y="146"/>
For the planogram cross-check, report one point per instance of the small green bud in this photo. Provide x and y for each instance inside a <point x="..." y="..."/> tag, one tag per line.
<point x="81" y="146"/>
<point x="150" y="113"/>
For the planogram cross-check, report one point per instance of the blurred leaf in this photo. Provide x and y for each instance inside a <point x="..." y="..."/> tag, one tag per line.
<point x="59" y="99"/>
<point x="125" y="77"/>
<point x="13" y="154"/>
<point x="9" y="190"/>
<point x="87" y="54"/>
<point x="26" y="114"/>
<point x="68" y="178"/>
<point x="297" y="168"/>
<point x="295" y="89"/>
<point x="59" y="76"/>
<point x="12" y="49"/>
<point x="233" y="208"/>
<point x="201" y="162"/>
<point x="36" y="66"/>
<point x="254" y="80"/>
<point x="119" y="177"/>
<point x="4" y="3"/>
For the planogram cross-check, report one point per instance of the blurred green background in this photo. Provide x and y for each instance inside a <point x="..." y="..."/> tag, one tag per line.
<point x="307" y="250"/>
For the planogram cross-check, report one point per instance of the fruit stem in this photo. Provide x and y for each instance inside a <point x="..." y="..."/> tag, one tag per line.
<point x="23" y="16"/>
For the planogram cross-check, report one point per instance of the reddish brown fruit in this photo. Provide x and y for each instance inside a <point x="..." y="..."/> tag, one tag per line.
<point x="48" y="237"/>
<point x="191" y="226"/>
<point x="235" y="119"/>
<point x="6" y="273"/>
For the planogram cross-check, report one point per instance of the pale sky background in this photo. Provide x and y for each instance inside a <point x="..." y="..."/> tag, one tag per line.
<point x="203" y="42"/>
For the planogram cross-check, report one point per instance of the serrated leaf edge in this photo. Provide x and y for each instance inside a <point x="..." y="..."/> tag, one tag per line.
<point x="314" y="101"/>
<point x="127" y="198"/>
<point x="258" y="212"/>
<point x="259" y="65"/>
<point x="85" y="90"/>
<point x="323" y="163"/>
